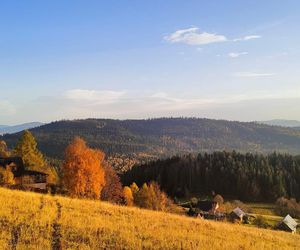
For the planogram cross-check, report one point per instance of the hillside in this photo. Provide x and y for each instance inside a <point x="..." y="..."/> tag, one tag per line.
<point x="4" y="129"/>
<point x="46" y="222"/>
<point x="283" y="123"/>
<point x="163" y="137"/>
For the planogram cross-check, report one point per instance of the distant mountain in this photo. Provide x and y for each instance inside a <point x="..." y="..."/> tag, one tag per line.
<point x="4" y="129"/>
<point x="163" y="137"/>
<point x="283" y="123"/>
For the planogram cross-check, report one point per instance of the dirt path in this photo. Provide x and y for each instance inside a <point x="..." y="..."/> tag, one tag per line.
<point x="15" y="235"/>
<point x="56" y="230"/>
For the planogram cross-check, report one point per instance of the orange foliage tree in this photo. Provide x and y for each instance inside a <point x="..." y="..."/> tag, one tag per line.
<point x="83" y="174"/>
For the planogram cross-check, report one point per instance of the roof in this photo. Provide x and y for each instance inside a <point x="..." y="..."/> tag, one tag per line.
<point x="206" y="205"/>
<point x="13" y="160"/>
<point x="20" y="169"/>
<point x="239" y="212"/>
<point x="290" y="222"/>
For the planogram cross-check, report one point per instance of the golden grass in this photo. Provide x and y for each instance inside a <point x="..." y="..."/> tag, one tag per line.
<point x="35" y="221"/>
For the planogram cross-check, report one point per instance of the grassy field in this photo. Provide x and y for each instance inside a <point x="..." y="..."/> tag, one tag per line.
<point x="35" y="221"/>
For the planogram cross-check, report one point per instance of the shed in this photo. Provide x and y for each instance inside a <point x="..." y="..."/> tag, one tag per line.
<point x="237" y="214"/>
<point x="288" y="224"/>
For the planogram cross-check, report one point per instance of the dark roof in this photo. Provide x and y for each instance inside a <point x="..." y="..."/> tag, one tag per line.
<point x="17" y="161"/>
<point x="206" y="205"/>
<point x="20" y="169"/>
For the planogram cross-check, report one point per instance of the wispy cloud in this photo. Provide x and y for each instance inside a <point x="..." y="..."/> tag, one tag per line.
<point x="237" y="54"/>
<point x="193" y="36"/>
<point x="252" y="74"/>
<point x="246" y="38"/>
<point x="98" y="96"/>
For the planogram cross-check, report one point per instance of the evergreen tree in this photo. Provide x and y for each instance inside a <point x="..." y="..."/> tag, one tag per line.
<point x="27" y="149"/>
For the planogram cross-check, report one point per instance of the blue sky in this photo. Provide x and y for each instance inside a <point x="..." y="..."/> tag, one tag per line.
<point x="236" y="60"/>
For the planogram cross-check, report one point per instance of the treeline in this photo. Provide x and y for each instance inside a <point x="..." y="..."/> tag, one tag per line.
<point x="162" y="137"/>
<point x="249" y="177"/>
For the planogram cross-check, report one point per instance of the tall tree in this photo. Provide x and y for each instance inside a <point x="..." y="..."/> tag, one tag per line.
<point x="27" y="149"/>
<point x="83" y="173"/>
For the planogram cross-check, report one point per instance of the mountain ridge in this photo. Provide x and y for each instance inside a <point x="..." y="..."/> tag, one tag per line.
<point x="163" y="136"/>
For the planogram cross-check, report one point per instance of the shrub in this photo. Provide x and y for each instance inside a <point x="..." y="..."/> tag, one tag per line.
<point x="260" y="221"/>
<point x="286" y="206"/>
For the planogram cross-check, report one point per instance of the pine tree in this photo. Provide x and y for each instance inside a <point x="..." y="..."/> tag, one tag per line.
<point x="27" y="149"/>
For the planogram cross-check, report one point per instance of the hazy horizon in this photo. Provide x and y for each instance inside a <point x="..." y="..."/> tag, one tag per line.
<point x="228" y="60"/>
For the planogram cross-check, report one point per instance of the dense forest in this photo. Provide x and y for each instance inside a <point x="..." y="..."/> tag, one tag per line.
<point x="163" y="137"/>
<point x="248" y="177"/>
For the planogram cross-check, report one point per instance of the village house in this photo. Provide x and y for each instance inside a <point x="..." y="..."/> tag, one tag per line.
<point x="237" y="214"/>
<point x="24" y="178"/>
<point x="210" y="207"/>
<point x="288" y="224"/>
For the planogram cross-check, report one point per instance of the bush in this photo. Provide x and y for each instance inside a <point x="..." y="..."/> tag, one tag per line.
<point x="218" y="198"/>
<point x="260" y="221"/>
<point x="286" y="206"/>
<point x="229" y="206"/>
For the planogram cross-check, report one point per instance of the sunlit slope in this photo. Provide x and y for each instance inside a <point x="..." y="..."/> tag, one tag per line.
<point x="34" y="221"/>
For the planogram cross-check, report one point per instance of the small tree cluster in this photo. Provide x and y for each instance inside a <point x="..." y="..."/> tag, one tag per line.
<point x="148" y="196"/>
<point x="286" y="206"/>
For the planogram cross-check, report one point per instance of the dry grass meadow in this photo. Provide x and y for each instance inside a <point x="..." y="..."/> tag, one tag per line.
<point x="36" y="221"/>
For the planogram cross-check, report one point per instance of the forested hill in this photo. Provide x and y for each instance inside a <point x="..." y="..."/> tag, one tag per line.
<point x="164" y="136"/>
<point x="252" y="177"/>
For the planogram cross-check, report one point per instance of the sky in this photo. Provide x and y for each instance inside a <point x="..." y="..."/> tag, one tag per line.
<point x="234" y="60"/>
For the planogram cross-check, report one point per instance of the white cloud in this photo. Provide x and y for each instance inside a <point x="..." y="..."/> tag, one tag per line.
<point x="236" y="54"/>
<point x="246" y="38"/>
<point x="193" y="36"/>
<point x="98" y="96"/>
<point x="252" y="74"/>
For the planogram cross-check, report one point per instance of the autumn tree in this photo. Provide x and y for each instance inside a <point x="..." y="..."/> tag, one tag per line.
<point x="27" y="149"/>
<point x="150" y="196"/>
<point x="83" y="173"/>
<point x="128" y="197"/>
<point x="112" y="191"/>
<point x="6" y="176"/>
<point x="4" y="152"/>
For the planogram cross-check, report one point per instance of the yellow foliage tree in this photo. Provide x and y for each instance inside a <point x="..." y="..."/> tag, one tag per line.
<point x="6" y="176"/>
<point x="128" y="197"/>
<point x="83" y="174"/>
<point x="4" y="152"/>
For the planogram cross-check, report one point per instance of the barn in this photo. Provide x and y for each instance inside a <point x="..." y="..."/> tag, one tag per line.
<point x="288" y="224"/>
<point x="24" y="178"/>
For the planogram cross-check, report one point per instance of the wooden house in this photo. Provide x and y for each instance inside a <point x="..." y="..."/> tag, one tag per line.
<point x="288" y="224"/>
<point x="24" y="178"/>
<point x="237" y="214"/>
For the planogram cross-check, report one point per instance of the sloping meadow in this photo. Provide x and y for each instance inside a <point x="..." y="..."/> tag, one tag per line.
<point x="36" y="221"/>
